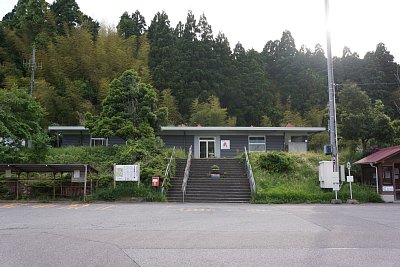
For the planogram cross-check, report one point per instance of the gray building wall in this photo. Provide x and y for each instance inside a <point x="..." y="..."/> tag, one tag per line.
<point x="238" y="142"/>
<point x="75" y="139"/>
<point x="275" y="143"/>
<point x="179" y="141"/>
<point x="116" y="141"/>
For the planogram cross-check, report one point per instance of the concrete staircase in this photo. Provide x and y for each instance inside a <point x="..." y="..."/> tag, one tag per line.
<point x="232" y="187"/>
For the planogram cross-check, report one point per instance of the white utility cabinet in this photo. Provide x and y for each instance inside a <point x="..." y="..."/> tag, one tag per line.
<point x="327" y="177"/>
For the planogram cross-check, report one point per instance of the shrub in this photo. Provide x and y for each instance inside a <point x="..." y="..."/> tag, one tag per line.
<point x="277" y="162"/>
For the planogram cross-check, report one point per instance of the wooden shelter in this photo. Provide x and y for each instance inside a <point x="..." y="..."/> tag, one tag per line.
<point x="381" y="170"/>
<point x="21" y="178"/>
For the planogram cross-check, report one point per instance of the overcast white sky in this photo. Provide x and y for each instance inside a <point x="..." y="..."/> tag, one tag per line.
<point x="358" y="24"/>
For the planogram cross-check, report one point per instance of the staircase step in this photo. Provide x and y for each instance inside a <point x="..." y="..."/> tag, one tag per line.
<point x="232" y="187"/>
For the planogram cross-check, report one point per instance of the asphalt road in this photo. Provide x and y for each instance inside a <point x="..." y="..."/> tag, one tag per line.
<point x="164" y="234"/>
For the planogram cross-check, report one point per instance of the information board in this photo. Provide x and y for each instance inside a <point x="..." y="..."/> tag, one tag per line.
<point x="125" y="173"/>
<point x="78" y="177"/>
<point x="225" y="144"/>
<point x="387" y="188"/>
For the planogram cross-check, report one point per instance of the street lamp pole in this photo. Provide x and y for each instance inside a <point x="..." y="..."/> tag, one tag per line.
<point x="331" y="92"/>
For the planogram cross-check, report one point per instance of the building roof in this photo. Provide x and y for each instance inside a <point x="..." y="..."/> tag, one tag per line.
<point x="51" y="168"/>
<point x="244" y="129"/>
<point x="68" y="128"/>
<point x="210" y="129"/>
<point x="379" y="155"/>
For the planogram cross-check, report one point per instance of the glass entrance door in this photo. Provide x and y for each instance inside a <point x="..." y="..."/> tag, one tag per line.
<point x="207" y="147"/>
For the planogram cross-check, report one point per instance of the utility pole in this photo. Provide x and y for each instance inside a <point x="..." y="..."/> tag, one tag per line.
<point x="33" y="66"/>
<point x="331" y="92"/>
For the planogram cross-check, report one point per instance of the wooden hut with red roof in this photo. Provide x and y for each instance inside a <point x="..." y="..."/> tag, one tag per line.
<point x="381" y="170"/>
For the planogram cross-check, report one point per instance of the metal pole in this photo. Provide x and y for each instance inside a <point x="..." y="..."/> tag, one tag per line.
<point x="54" y="186"/>
<point x="84" y="190"/>
<point x="17" y="186"/>
<point x="33" y="67"/>
<point x="115" y="183"/>
<point x="351" y="191"/>
<point x="331" y="92"/>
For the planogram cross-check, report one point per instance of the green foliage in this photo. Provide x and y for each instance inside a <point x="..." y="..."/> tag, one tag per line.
<point x="129" y="191"/>
<point x="210" y="113"/>
<point x="101" y="158"/>
<point x="20" y="122"/>
<point x="300" y="184"/>
<point x="317" y="141"/>
<point x="168" y="101"/>
<point x="20" y="116"/>
<point x="129" y="111"/>
<point x="359" y="120"/>
<point x="277" y="162"/>
<point x="131" y="25"/>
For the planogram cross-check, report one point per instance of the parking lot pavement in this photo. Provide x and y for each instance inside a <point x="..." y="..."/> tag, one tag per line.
<point x="167" y="234"/>
<point x="75" y="206"/>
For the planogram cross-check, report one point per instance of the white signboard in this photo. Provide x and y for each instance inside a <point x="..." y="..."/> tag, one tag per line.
<point x="387" y="188"/>
<point x="77" y="177"/>
<point x="77" y="173"/>
<point x="125" y="173"/>
<point x="335" y="181"/>
<point x="8" y="173"/>
<point x="350" y="179"/>
<point x="225" y="144"/>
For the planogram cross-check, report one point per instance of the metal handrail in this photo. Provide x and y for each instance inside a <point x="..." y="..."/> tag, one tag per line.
<point x="167" y="171"/>
<point x="250" y="172"/>
<point x="186" y="175"/>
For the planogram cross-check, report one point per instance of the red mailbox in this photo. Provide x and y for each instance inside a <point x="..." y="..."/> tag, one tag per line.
<point x="155" y="181"/>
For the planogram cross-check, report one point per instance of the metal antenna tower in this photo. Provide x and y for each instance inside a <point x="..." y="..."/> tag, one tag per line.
<point x="331" y="91"/>
<point x="31" y="64"/>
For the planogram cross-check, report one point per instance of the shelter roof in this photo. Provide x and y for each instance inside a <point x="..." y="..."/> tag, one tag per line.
<point x="54" y="168"/>
<point x="379" y="155"/>
<point x="68" y="128"/>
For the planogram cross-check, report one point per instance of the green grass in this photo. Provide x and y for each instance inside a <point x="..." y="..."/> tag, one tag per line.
<point x="299" y="183"/>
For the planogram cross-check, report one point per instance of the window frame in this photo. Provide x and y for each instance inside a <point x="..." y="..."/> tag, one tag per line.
<point x="264" y="143"/>
<point x="93" y="143"/>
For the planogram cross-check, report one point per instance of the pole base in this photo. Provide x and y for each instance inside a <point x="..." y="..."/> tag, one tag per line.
<point x="352" y="201"/>
<point x="336" y="201"/>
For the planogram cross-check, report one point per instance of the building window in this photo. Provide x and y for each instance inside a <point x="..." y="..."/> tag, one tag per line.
<point x="298" y="139"/>
<point x="98" y="141"/>
<point x="257" y="143"/>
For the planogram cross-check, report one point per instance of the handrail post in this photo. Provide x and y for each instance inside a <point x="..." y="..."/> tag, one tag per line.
<point x="250" y="172"/>
<point x="186" y="174"/>
<point x="167" y="171"/>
